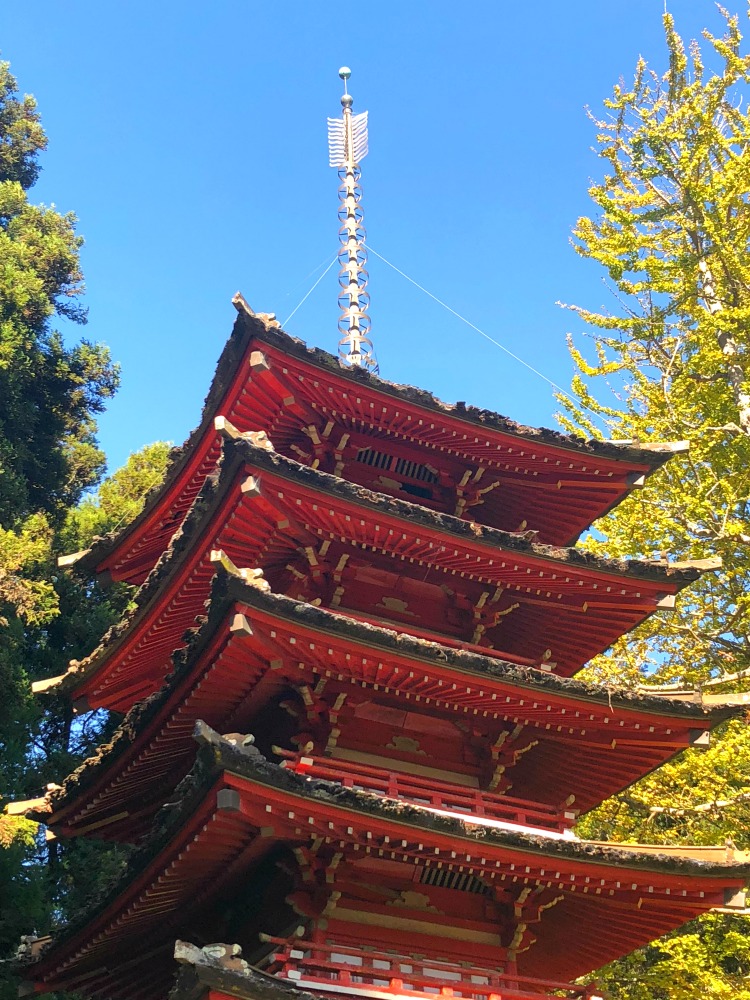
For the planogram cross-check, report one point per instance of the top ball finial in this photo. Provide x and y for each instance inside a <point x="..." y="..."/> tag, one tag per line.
<point x="345" y="72"/>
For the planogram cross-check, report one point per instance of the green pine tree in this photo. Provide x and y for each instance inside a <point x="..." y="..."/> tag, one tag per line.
<point x="50" y="395"/>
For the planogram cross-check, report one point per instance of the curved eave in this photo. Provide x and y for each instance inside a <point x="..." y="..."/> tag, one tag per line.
<point x="651" y="457"/>
<point x="188" y="466"/>
<point x="669" y="575"/>
<point x="130" y="553"/>
<point x="586" y="587"/>
<point x="646" y="731"/>
<point x="232" y="792"/>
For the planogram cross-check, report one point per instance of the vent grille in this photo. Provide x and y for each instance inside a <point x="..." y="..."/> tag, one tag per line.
<point x="401" y="466"/>
<point x="443" y="878"/>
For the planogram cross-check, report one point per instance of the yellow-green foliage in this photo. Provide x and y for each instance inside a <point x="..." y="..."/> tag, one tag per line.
<point x="670" y="362"/>
<point x="22" y="552"/>
<point x="16" y="830"/>
<point x="119" y="499"/>
<point x="51" y="618"/>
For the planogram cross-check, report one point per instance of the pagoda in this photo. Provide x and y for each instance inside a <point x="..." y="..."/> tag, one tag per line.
<point x="353" y="750"/>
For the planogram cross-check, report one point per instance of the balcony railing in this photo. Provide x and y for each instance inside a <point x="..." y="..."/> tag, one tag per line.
<point x="430" y="792"/>
<point x="335" y="968"/>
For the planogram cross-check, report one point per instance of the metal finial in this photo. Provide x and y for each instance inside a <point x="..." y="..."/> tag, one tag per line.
<point x="347" y="146"/>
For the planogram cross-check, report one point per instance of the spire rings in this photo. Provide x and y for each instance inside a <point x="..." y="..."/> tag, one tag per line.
<point x="347" y="144"/>
<point x="355" y="346"/>
<point x="356" y="277"/>
<point x="353" y="300"/>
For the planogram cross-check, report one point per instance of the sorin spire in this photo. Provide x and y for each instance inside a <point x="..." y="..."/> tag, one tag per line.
<point x="347" y="146"/>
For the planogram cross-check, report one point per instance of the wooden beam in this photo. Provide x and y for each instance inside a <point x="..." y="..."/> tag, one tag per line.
<point x="407" y="924"/>
<point x="23" y="806"/>
<point x="241" y="304"/>
<point x="65" y="562"/>
<point x="45" y="686"/>
<point x="704" y="565"/>
<point x="712" y="854"/>
<point x="730" y="700"/>
<point x="660" y="447"/>
<point x="226" y="428"/>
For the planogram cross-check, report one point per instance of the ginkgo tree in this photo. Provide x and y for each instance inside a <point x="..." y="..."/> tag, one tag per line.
<point x="670" y="361"/>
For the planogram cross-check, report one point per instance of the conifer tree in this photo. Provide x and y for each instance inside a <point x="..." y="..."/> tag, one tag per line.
<point x="50" y="395"/>
<point x="671" y="361"/>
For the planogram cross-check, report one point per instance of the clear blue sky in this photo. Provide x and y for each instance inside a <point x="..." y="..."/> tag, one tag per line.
<point x="190" y="140"/>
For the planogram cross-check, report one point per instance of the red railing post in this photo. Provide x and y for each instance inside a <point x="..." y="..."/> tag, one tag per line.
<point x="317" y="966"/>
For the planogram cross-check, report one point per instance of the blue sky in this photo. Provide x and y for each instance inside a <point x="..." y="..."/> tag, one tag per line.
<point x="190" y="140"/>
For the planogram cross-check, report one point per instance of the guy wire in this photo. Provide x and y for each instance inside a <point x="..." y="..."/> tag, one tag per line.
<point x="311" y="290"/>
<point x="472" y="325"/>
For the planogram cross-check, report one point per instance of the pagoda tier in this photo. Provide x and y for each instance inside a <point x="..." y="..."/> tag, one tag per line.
<point x="393" y="439"/>
<point x="337" y="698"/>
<point x="218" y="972"/>
<point x="302" y="873"/>
<point x="324" y="540"/>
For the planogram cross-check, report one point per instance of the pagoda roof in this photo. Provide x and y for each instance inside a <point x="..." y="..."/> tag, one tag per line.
<point x="568" y="600"/>
<point x="252" y="641"/>
<point x="235" y="806"/>
<point x="594" y="741"/>
<point x="512" y="541"/>
<point x="596" y="475"/>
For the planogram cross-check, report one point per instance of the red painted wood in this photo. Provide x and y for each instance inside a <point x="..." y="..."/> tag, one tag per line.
<point x="231" y="682"/>
<point x="391" y="904"/>
<point x="607" y="908"/>
<point x="588" y="484"/>
<point x="432" y="582"/>
<point x="397" y="974"/>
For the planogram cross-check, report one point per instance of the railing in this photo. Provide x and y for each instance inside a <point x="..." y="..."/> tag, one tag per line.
<point x="339" y="968"/>
<point x="428" y="791"/>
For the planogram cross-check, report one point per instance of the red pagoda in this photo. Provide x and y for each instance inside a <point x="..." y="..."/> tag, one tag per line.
<point x="352" y="753"/>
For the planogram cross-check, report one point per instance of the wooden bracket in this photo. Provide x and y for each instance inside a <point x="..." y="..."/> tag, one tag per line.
<point x="240" y="625"/>
<point x="259" y="363"/>
<point x="228" y="800"/>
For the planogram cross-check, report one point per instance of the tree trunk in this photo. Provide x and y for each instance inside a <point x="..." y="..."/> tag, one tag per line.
<point x="728" y="345"/>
